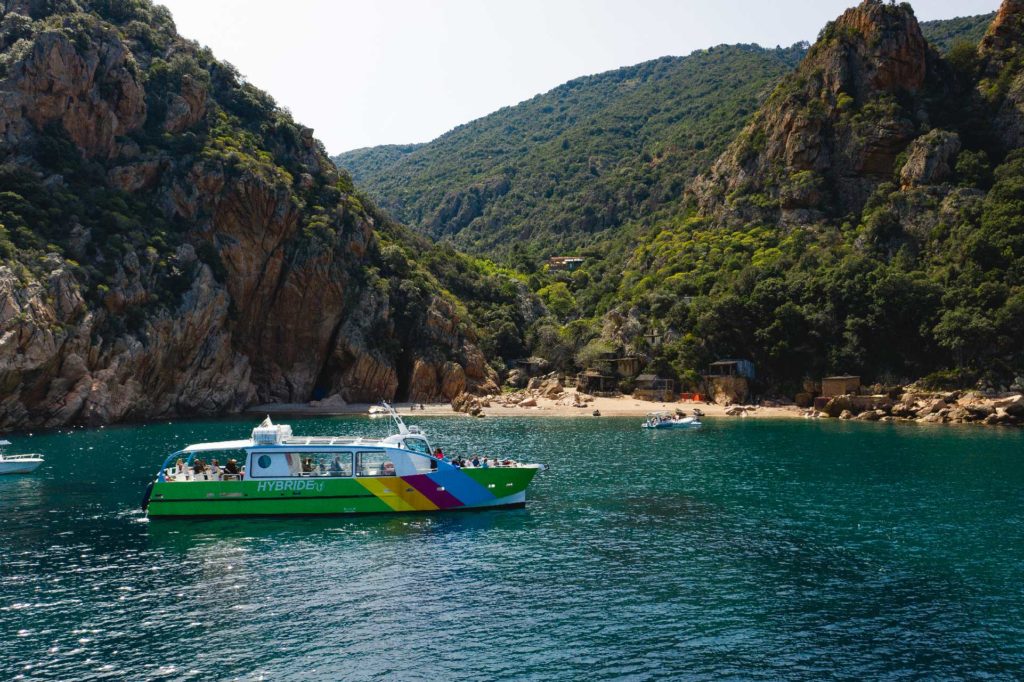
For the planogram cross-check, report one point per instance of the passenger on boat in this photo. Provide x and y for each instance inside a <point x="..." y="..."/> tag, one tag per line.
<point x="231" y="470"/>
<point x="215" y="469"/>
<point x="438" y="453"/>
<point x="336" y="469"/>
<point x="476" y="460"/>
<point x="484" y="464"/>
<point x="388" y="469"/>
<point x="180" y="469"/>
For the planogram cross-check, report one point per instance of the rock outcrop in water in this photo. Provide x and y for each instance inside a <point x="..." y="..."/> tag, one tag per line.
<point x="174" y="244"/>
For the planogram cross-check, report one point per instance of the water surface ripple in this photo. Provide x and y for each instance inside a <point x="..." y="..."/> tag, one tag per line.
<point x="750" y="549"/>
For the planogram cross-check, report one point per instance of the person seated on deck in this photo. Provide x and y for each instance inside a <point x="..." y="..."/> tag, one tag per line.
<point x="231" y="472"/>
<point x="179" y="472"/>
<point x="199" y="469"/>
<point x="484" y="464"/>
<point x="336" y="469"/>
<point x="388" y="469"/>
<point x="307" y="465"/>
<point x="476" y="460"/>
<point x="215" y="470"/>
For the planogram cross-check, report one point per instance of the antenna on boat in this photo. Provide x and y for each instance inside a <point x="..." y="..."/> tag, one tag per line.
<point x="399" y="424"/>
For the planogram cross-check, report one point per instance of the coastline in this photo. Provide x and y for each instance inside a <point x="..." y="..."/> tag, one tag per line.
<point x="562" y="407"/>
<point x="566" y="403"/>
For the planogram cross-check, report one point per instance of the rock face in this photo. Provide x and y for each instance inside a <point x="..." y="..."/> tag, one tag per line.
<point x="1003" y="80"/>
<point x="219" y="257"/>
<point x="93" y="92"/>
<point x="930" y="159"/>
<point x="832" y="131"/>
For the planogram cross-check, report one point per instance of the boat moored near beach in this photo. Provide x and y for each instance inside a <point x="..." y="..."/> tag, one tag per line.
<point x="277" y="473"/>
<point x="668" y="420"/>
<point x="17" y="464"/>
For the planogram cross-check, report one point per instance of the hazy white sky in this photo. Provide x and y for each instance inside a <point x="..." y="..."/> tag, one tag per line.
<point x="368" y="72"/>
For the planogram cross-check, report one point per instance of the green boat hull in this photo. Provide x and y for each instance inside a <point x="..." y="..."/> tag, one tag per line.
<point x="449" y="490"/>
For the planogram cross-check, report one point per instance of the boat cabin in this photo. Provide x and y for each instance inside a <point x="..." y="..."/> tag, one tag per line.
<point x="273" y="453"/>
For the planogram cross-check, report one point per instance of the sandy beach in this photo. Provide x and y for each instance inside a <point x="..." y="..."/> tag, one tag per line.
<point x="619" y="406"/>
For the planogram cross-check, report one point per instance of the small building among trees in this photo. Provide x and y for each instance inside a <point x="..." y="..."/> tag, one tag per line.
<point x="565" y="263"/>
<point x="839" y="385"/>
<point x="594" y="381"/>
<point x="729" y="380"/>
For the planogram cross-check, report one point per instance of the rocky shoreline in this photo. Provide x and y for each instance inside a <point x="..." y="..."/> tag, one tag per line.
<point x="956" y="407"/>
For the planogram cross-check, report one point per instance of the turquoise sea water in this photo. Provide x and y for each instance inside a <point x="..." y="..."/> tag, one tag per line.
<point x="749" y="549"/>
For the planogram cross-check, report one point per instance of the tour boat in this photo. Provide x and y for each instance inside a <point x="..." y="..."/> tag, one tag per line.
<point x="277" y="473"/>
<point x="668" y="420"/>
<point x="17" y="464"/>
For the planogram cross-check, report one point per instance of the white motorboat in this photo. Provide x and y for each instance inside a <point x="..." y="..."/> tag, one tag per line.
<point x="667" y="420"/>
<point x="17" y="464"/>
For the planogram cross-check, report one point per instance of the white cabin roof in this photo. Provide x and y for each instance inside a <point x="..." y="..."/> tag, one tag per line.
<point x="221" y="445"/>
<point x="294" y="441"/>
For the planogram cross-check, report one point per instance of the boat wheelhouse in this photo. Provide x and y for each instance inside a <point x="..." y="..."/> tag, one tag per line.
<point x="17" y="464"/>
<point x="278" y="473"/>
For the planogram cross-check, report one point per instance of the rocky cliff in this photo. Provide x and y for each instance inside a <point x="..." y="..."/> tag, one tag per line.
<point x="174" y="244"/>
<point x="832" y="131"/>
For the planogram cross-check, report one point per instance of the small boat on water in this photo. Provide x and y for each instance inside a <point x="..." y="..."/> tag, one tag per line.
<point x="669" y="420"/>
<point x="377" y="412"/>
<point x="17" y="464"/>
<point x="285" y="474"/>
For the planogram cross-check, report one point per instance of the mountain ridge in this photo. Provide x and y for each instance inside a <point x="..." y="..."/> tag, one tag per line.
<point x="486" y="211"/>
<point x="560" y="137"/>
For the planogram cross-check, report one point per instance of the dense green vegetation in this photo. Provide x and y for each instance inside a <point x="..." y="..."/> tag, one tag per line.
<point x="562" y="170"/>
<point x="598" y="167"/>
<point x="946" y="33"/>
<point x="875" y="293"/>
<point x="922" y="282"/>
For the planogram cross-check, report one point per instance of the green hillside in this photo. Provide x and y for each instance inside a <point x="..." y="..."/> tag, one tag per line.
<point x="945" y="33"/>
<point x="896" y="256"/>
<point x="559" y="170"/>
<point x="555" y="173"/>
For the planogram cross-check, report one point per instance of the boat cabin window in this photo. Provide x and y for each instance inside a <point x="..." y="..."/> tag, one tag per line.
<point x="417" y="445"/>
<point x="375" y="463"/>
<point x="327" y="464"/>
<point x="308" y="464"/>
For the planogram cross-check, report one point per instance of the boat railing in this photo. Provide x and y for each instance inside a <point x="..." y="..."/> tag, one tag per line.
<point x="18" y="458"/>
<point x="326" y="440"/>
